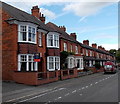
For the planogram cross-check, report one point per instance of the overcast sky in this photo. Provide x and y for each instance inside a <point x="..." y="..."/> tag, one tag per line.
<point x="91" y="19"/>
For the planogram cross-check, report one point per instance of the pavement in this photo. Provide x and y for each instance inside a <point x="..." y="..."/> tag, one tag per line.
<point x="96" y="87"/>
<point x="9" y="86"/>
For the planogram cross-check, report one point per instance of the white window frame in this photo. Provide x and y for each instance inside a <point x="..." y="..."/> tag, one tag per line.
<point x="54" y="62"/>
<point x="76" y="49"/>
<point x="40" y="38"/>
<point x="71" y="62"/>
<point x="55" y="42"/>
<point x="27" y="62"/>
<point x="27" y="32"/>
<point x="90" y="63"/>
<point x="80" y="63"/>
<point x="65" y="46"/>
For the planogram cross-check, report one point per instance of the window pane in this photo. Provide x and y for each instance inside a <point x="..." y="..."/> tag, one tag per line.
<point x="50" y="40"/>
<point x="24" y="36"/>
<point x="50" y="59"/>
<point x="34" y="66"/>
<point x="30" y="58"/>
<point x="33" y="37"/>
<point x="22" y="28"/>
<point x="51" y="65"/>
<point x="23" y="58"/>
<point x="30" y="66"/>
<point x="21" y="36"/>
<point x="29" y="37"/>
<point x="33" y="30"/>
<point x="57" y="65"/>
<point x="29" y="29"/>
<point x="23" y="66"/>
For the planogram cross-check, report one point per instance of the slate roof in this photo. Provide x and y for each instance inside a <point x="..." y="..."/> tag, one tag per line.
<point x="66" y="36"/>
<point x="19" y="15"/>
<point x="63" y="35"/>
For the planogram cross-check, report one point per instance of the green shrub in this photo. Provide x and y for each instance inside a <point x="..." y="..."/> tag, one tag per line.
<point x="97" y="65"/>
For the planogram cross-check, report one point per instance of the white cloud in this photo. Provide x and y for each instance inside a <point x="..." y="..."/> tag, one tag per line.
<point x="25" y="6"/>
<point x="110" y="46"/>
<point x="87" y="29"/>
<point x="82" y="19"/>
<point x="105" y="36"/>
<point x="48" y="13"/>
<point x="84" y="9"/>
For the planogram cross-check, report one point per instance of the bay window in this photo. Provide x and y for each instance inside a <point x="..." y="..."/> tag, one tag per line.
<point x="53" y="63"/>
<point x="26" y="33"/>
<point x="53" y="40"/>
<point x="71" y="62"/>
<point x="26" y="62"/>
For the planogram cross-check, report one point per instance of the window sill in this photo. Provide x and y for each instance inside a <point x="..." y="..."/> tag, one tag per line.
<point x="53" y="47"/>
<point x="40" y="46"/>
<point x="27" y="42"/>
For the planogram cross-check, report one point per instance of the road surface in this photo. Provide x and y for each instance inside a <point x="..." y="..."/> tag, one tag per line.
<point x="97" y="87"/>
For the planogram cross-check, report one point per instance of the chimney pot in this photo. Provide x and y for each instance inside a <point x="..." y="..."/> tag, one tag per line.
<point x="86" y="42"/>
<point x="62" y="28"/>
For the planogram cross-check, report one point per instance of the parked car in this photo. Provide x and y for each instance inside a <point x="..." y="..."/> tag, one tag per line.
<point x="110" y="67"/>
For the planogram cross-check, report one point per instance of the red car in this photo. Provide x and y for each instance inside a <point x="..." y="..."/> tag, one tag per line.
<point x="110" y="67"/>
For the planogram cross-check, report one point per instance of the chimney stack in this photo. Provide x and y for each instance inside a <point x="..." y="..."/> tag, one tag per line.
<point x="63" y="28"/>
<point x="94" y="45"/>
<point x="35" y="11"/>
<point x="73" y="35"/>
<point x="103" y="48"/>
<point x="100" y="47"/>
<point x="86" y="42"/>
<point x="42" y="18"/>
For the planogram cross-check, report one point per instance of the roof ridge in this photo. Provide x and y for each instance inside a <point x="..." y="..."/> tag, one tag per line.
<point x="61" y="30"/>
<point x="17" y="8"/>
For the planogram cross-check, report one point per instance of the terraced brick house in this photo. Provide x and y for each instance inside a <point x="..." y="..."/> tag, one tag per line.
<point x="23" y="36"/>
<point x="31" y="49"/>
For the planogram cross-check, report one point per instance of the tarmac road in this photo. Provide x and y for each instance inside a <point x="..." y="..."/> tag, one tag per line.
<point x="97" y="87"/>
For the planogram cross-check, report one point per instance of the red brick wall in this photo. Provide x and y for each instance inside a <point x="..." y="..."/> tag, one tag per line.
<point x="42" y="49"/>
<point x="53" y="52"/>
<point x="9" y="48"/>
<point x="29" y="78"/>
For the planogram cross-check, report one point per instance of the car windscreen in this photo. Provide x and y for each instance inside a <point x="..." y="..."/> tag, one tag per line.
<point x="108" y="66"/>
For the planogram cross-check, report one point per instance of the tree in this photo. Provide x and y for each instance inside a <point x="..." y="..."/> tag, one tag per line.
<point x="97" y="65"/>
<point x="113" y="51"/>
